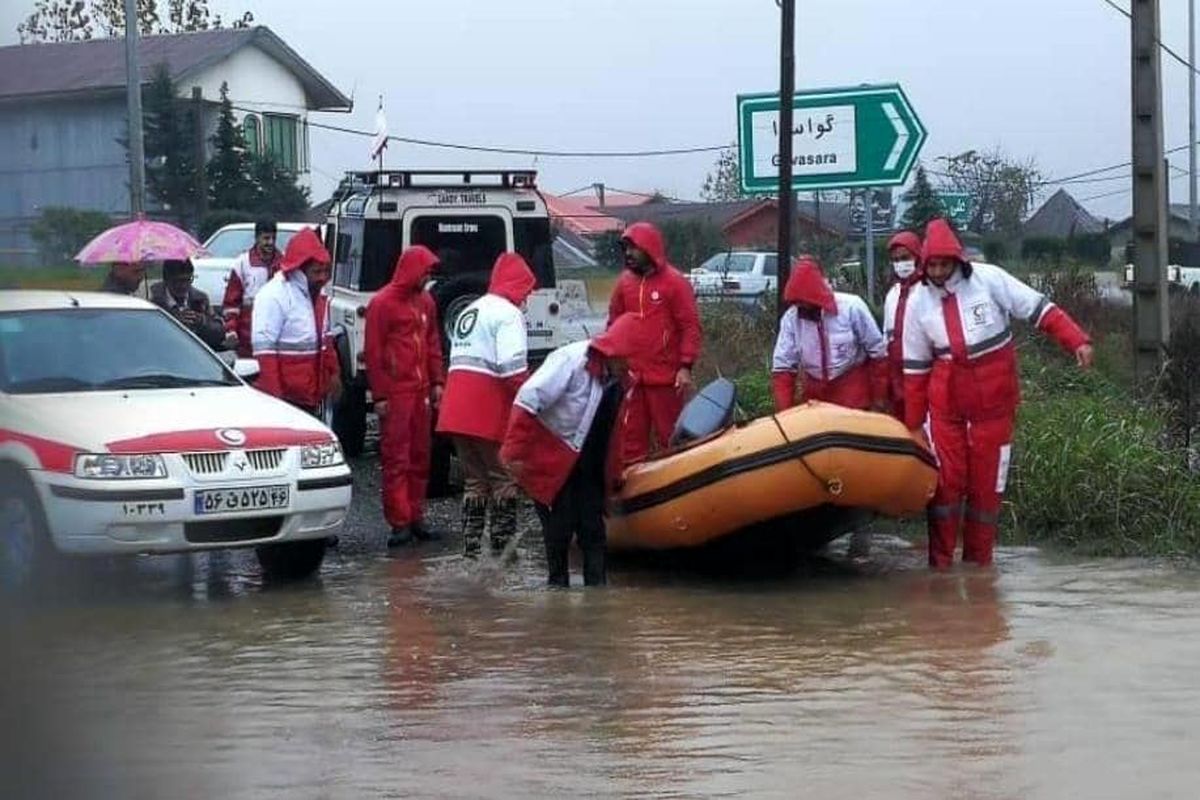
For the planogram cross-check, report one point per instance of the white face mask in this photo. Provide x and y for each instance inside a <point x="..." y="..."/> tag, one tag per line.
<point x="904" y="269"/>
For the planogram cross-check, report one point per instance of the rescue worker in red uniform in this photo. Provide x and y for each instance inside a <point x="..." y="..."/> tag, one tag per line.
<point x="403" y="351"/>
<point x="659" y="377"/>
<point x="488" y="364"/>
<point x="832" y="339"/>
<point x="560" y="445"/>
<point x="960" y="364"/>
<point x="250" y="273"/>
<point x="290" y="331"/>
<point x="904" y="249"/>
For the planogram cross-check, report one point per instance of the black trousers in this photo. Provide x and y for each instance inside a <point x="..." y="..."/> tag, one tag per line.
<point x="577" y="511"/>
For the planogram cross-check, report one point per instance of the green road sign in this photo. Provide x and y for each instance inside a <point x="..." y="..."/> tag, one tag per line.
<point x="841" y="138"/>
<point x="958" y="207"/>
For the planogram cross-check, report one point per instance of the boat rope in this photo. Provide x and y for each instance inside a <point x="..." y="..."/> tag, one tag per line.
<point x="832" y="486"/>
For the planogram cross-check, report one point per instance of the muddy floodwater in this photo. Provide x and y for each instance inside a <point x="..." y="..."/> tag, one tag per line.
<point x="412" y="676"/>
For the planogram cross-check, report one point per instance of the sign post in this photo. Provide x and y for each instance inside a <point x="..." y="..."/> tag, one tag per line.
<point x="864" y="136"/>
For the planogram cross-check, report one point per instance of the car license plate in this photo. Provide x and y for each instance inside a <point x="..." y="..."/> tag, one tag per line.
<point x="250" y="498"/>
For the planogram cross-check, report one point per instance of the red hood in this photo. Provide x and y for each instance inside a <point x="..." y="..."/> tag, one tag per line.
<point x="512" y="278"/>
<point x="909" y="241"/>
<point x="303" y="247"/>
<point x="628" y="334"/>
<point x="807" y="284"/>
<point x="413" y="267"/>
<point x="940" y="242"/>
<point x="648" y="238"/>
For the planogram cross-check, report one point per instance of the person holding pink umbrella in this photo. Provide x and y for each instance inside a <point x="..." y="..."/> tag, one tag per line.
<point x="129" y="247"/>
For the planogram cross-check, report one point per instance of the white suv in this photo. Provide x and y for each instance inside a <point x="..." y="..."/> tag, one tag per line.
<point x="123" y="433"/>
<point x="467" y="218"/>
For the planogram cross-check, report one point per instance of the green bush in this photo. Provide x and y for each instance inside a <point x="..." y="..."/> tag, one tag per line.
<point x="1092" y="471"/>
<point x="62" y="232"/>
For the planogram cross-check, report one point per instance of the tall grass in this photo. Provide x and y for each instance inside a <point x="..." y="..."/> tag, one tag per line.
<point x="1093" y="469"/>
<point x="66" y="277"/>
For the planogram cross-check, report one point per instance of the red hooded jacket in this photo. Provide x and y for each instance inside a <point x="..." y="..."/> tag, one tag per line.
<point x="666" y="300"/>
<point x="555" y="409"/>
<point x="488" y="355"/>
<point x="858" y="386"/>
<point x="403" y="345"/>
<point x="290" y="329"/>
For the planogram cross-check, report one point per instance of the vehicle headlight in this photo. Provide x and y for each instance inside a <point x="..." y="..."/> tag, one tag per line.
<point x="326" y="454"/>
<point x="119" y="467"/>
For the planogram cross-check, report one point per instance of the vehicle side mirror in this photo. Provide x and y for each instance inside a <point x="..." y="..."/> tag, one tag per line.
<point x="246" y="368"/>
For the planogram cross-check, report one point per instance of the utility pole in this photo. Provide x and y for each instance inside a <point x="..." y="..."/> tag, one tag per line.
<point x="133" y="94"/>
<point x="787" y="88"/>
<point x="1150" y="310"/>
<point x="199" y="154"/>
<point x="1195" y="224"/>
<point x="869" y="199"/>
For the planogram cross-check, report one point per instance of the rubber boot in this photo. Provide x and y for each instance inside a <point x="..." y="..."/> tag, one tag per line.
<point x="504" y="524"/>
<point x="595" y="569"/>
<point x="557" y="565"/>
<point x="474" y="520"/>
<point x="400" y="536"/>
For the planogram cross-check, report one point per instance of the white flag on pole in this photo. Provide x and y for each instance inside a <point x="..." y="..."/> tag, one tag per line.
<point x="379" y="140"/>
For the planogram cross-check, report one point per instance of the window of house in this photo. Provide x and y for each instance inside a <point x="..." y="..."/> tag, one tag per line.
<point x="305" y="165"/>
<point x="252" y="132"/>
<point x="280" y="137"/>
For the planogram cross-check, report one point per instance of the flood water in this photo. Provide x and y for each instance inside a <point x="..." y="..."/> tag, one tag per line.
<point x="414" y="677"/>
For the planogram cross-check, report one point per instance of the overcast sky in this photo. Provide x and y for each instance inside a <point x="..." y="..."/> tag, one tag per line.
<point x="1047" y="79"/>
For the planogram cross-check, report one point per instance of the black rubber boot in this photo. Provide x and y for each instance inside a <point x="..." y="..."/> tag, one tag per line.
<point x="474" y="520"/>
<point x="426" y="534"/>
<point x="400" y="536"/>
<point x="595" y="568"/>
<point x="503" y="525"/>
<point x="557" y="565"/>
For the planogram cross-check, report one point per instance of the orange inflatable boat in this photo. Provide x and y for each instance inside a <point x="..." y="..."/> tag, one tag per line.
<point x="812" y="457"/>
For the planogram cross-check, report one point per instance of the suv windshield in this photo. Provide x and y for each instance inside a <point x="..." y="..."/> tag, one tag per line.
<point x="84" y="350"/>
<point x="232" y="243"/>
<point x="466" y="243"/>
<point x="729" y="262"/>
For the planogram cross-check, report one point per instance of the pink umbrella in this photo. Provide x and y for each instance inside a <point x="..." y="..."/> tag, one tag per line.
<point x="140" y="240"/>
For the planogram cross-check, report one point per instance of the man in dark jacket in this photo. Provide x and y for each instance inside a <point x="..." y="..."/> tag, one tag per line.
<point x="176" y="295"/>
<point x="125" y="278"/>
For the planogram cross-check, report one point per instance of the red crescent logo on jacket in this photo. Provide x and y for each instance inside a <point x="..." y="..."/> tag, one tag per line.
<point x="654" y="295"/>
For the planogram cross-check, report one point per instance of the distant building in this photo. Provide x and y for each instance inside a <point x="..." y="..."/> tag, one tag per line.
<point x="1060" y="217"/>
<point x="62" y="115"/>
<point x="751" y="223"/>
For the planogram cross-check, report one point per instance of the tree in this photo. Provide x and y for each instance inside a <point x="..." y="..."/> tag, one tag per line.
<point x="228" y="171"/>
<point x="76" y="20"/>
<point x="690" y="241"/>
<point x="170" y="151"/>
<point x="1002" y="189"/>
<point x="275" y="189"/>
<point x="724" y="183"/>
<point x="56" y="21"/>
<point x="922" y="203"/>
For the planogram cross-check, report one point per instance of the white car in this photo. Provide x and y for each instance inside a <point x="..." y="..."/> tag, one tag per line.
<point x="225" y="245"/>
<point x="123" y="434"/>
<point x="745" y="276"/>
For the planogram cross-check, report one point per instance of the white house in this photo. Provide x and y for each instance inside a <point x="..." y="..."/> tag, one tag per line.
<point x="63" y="115"/>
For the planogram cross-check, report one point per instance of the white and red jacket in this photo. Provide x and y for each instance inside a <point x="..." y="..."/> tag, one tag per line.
<point x="290" y="330"/>
<point x="841" y="353"/>
<point x="488" y="355"/>
<point x="249" y="275"/>
<point x="555" y="408"/>
<point x="959" y="359"/>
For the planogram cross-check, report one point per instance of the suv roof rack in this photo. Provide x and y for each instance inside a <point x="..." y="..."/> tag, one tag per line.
<point x="444" y="178"/>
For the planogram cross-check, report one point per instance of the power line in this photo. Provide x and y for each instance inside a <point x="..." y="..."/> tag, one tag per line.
<point x="517" y="151"/>
<point x="1157" y="41"/>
